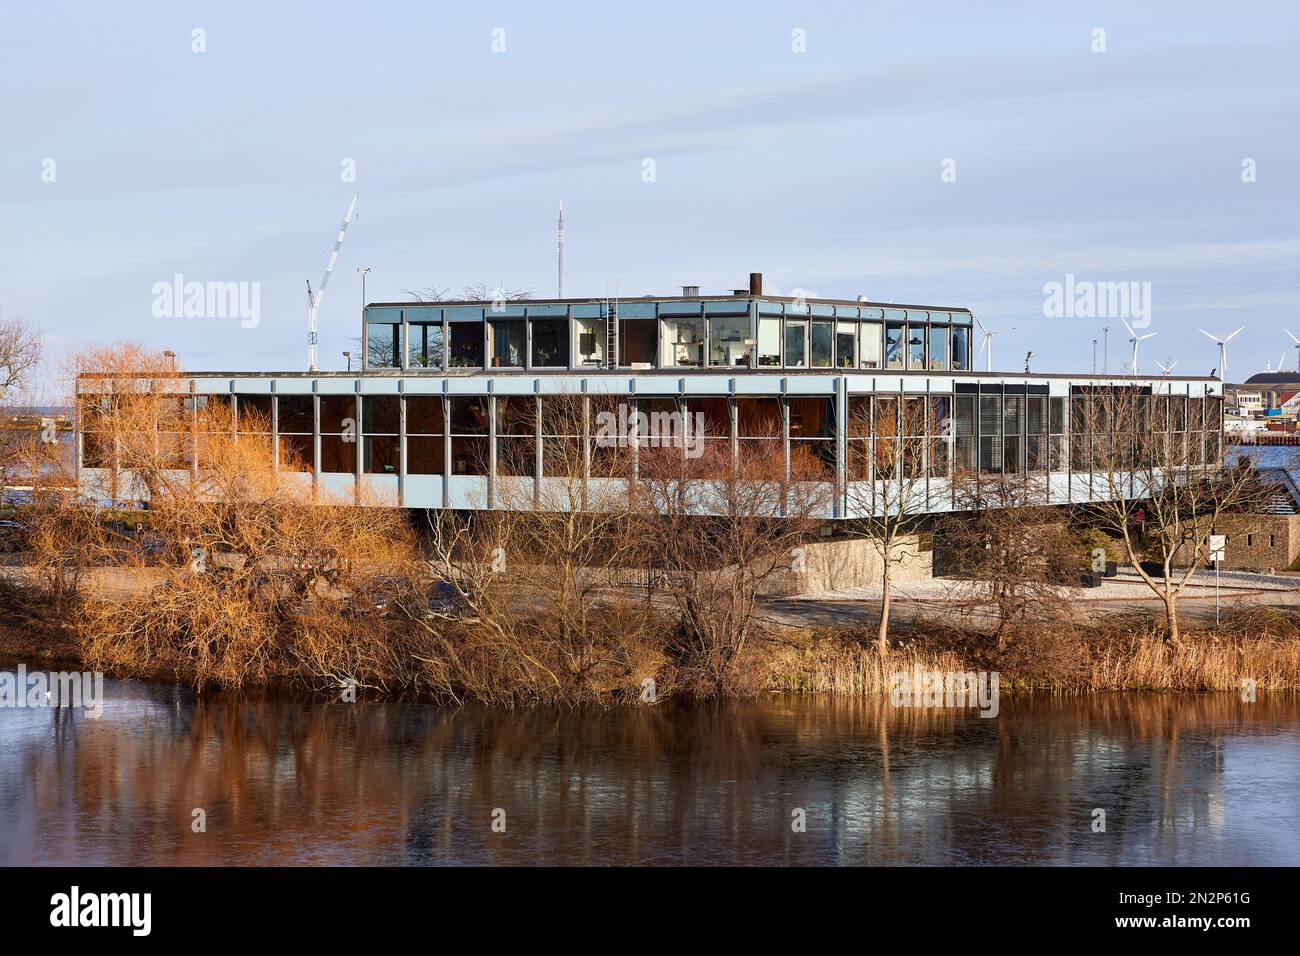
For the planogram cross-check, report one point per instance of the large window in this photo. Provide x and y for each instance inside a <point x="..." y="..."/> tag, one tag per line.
<point x="846" y="334"/>
<point x="425" y="342"/>
<point x="894" y="342"/>
<point x="769" y="342"/>
<point x="509" y="342"/>
<point x="796" y="343"/>
<point x="812" y="438"/>
<point x="590" y="329"/>
<point x="960" y="348"/>
<point x="915" y="343"/>
<point x="938" y="347"/>
<point x="636" y="342"/>
<point x="424" y="435"/>
<point x="253" y="414"/>
<point x="760" y="430"/>
<point x="991" y="448"/>
<point x="912" y="459"/>
<point x="858" y="433"/>
<point x="964" y="431"/>
<point x="1013" y="411"/>
<point x="338" y="434"/>
<point x="871" y="345"/>
<point x="465" y="337"/>
<point x="822" y="344"/>
<point x="708" y="456"/>
<point x="562" y="425"/>
<point x="296" y="425"/>
<point x="550" y="343"/>
<point x="517" y="435"/>
<point x="1036" y="433"/>
<point x="383" y="344"/>
<point x="885" y="428"/>
<point x="940" y="430"/>
<point x="469" y="435"/>
<point x="683" y="339"/>
<point x="728" y="337"/>
<point x="1059" y="447"/>
<point x="380" y="416"/>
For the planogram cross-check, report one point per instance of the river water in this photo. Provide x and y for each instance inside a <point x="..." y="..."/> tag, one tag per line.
<point x="1181" y="779"/>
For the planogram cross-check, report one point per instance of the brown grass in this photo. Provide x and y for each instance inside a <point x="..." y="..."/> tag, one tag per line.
<point x="1122" y="653"/>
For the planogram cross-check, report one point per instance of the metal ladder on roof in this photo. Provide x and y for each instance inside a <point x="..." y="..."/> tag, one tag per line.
<point x="611" y="332"/>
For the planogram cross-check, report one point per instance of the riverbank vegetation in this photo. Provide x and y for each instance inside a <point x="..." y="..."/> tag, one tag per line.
<point x="1252" y="647"/>
<point x="601" y="582"/>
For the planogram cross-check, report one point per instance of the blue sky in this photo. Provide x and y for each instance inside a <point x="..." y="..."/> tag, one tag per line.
<point x="821" y="169"/>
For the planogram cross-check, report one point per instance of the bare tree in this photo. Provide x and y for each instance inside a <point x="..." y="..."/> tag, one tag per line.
<point x="482" y="292"/>
<point x="22" y="450"/>
<point x="474" y="292"/>
<point x="1156" y="468"/>
<point x="894" y="442"/>
<point x="1014" y="552"/>
<point x="723" y="525"/>
<point x="429" y="293"/>
<point x="20" y="355"/>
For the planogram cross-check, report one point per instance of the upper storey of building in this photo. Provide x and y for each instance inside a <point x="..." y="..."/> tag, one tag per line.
<point x="742" y="330"/>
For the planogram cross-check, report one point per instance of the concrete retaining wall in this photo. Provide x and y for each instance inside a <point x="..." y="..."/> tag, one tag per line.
<point x="849" y="563"/>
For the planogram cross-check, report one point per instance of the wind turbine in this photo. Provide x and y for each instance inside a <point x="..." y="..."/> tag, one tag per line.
<point x="1297" y="345"/>
<point x="1135" y="340"/>
<point x="1223" y="350"/>
<point x="987" y="342"/>
<point x="314" y="299"/>
<point x="1167" y="369"/>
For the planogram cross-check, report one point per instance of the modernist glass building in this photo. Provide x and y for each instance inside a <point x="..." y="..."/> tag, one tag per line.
<point x="455" y="397"/>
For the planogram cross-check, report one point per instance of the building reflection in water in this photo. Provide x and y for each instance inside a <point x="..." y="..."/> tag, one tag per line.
<point x="1203" y="780"/>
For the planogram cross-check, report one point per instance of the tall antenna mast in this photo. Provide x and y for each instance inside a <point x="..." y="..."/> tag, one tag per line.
<point x="559" y="254"/>
<point x="313" y="301"/>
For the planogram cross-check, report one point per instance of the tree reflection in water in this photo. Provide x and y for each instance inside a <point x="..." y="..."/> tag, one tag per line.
<point x="1204" y="780"/>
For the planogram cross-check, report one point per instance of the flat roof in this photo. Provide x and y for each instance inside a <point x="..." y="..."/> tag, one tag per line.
<point x="718" y="372"/>
<point x="722" y="297"/>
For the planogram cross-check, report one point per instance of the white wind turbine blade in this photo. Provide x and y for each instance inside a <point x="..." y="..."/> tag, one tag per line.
<point x="1129" y="327"/>
<point x="1234" y="335"/>
<point x="1212" y="338"/>
<point x="1136" y="339"/>
<point x="1293" y="338"/>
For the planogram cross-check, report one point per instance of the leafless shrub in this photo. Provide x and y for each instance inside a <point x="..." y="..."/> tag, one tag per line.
<point x="1016" y="555"/>
<point x="723" y="527"/>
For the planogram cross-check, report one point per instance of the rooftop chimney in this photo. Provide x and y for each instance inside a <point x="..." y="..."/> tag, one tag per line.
<point x="756" y="283"/>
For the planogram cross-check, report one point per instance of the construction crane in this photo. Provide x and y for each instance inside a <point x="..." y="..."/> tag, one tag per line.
<point x="313" y="301"/>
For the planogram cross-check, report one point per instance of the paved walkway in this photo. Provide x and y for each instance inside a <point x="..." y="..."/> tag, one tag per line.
<point x="1125" y="593"/>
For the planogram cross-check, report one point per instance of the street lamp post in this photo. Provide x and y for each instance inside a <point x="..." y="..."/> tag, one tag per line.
<point x="364" y="271"/>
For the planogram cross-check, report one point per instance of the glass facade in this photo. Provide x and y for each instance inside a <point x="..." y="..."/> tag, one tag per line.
<point x="473" y="429"/>
<point x="973" y="429"/>
<point x="731" y="332"/>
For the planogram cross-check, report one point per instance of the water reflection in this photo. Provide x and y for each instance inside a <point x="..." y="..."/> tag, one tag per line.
<point x="1183" y="780"/>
